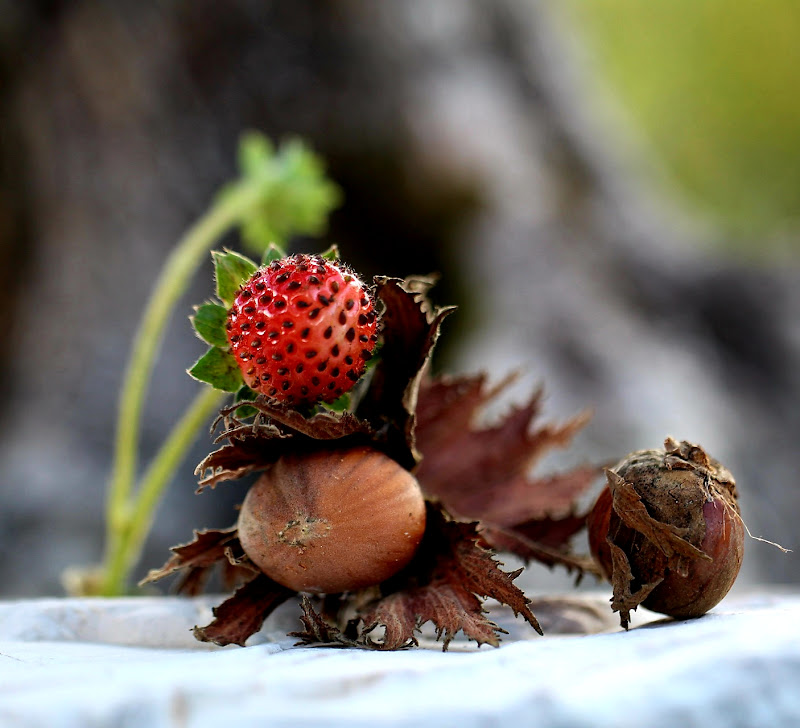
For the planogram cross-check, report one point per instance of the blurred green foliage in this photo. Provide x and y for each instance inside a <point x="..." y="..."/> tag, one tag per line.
<point x="715" y="87"/>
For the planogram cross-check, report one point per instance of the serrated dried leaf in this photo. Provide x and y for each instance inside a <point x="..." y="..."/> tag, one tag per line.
<point x="319" y="426"/>
<point x="410" y="329"/>
<point x="450" y="607"/>
<point x="479" y="473"/>
<point x="237" y="567"/>
<point x="452" y="569"/>
<point x="235" y="460"/>
<point x="550" y="532"/>
<point x="277" y="430"/>
<point x="483" y="472"/>
<point x="197" y="558"/>
<point x="624" y="600"/>
<point x="446" y="404"/>
<point x="318" y="631"/>
<point x="544" y="540"/>
<point x="532" y="499"/>
<point x="481" y="574"/>
<point x="242" y="614"/>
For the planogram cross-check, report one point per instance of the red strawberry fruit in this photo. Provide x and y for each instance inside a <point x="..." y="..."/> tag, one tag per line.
<point x="302" y="329"/>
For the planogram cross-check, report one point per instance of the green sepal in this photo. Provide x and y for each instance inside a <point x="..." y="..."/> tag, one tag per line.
<point x="209" y="324"/>
<point x="245" y="394"/>
<point x="331" y="253"/>
<point x="341" y="404"/>
<point x="231" y="270"/>
<point x="372" y="362"/>
<point x="273" y="252"/>
<point x="219" y="369"/>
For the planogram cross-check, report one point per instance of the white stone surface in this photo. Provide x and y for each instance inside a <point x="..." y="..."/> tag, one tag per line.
<point x="133" y="662"/>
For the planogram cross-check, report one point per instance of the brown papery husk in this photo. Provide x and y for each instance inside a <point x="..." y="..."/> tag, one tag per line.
<point x="675" y="538"/>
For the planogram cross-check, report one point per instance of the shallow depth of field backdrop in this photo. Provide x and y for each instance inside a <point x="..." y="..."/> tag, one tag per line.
<point x="610" y="189"/>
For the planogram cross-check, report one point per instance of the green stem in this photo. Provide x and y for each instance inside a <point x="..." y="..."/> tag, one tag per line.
<point x="128" y="543"/>
<point x="182" y="263"/>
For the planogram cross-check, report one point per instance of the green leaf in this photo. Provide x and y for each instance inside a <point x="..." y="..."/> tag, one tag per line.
<point x="341" y="404"/>
<point x="231" y="270"/>
<point x="256" y="152"/>
<point x="331" y="253"/>
<point x="295" y="196"/>
<point x="273" y="252"/>
<point x="245" y="394"/>
<point x="219" y="369"/>
<point x="209" y="324"/>
<point x="376" y="357"/>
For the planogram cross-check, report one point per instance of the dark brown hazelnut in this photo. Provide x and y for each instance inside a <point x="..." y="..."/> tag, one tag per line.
<point x="667" y="531"/>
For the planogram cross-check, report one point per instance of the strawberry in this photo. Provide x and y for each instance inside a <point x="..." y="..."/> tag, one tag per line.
<point x="302" y="329"/>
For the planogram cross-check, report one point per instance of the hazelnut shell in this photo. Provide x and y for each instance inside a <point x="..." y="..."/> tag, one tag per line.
<point x="332" y="520"/>
<point x="695" y="497"/>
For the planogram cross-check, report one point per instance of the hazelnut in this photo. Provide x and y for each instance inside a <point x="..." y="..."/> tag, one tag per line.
<point x="667" y="531"/>
<point x="332" y="520"/>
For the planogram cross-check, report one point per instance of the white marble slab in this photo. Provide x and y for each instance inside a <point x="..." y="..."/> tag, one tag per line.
<point x="132" y="662"/>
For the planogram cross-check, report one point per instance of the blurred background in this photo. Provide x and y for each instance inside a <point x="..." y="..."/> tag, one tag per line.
<point x="610" y="190"/>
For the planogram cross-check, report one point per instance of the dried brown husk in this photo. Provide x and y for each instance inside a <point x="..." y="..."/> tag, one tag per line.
<point x="485" y="472"/>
